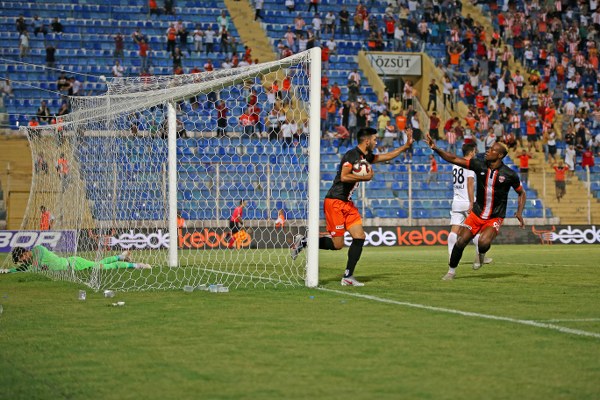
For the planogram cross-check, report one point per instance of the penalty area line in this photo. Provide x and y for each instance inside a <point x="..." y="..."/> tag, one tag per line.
<point x="536" y="324"/>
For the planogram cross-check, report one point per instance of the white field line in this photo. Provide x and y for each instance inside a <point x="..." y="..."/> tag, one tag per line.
<point x="536" y="324"/>
<point x="571" y="320"/>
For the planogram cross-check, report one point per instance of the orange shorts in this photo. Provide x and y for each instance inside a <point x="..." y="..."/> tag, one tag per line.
<point x="476" y="224"/>
<point x="340" y="216"/>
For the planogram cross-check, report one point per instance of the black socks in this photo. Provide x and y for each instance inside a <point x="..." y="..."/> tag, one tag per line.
<point x="326" y="243"/>
<point x="353" y="256"/>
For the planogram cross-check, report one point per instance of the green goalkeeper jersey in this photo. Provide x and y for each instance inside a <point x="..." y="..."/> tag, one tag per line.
<point x="44" y="259"/>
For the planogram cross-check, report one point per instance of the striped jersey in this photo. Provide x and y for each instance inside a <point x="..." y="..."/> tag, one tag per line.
<point x="493" y="186"/>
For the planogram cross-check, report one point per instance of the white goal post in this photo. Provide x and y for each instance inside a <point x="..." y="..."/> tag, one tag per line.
<point x="158" y="164"/>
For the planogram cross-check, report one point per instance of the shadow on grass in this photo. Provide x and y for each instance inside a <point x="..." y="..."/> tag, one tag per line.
<point x="363" y="279"/>
<point x="493" y="276"/>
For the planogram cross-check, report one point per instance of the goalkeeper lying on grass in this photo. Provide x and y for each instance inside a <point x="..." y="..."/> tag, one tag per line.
<point x="40" y="258"/>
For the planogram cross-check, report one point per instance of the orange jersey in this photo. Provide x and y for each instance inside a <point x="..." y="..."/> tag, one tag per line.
<point x="471" y="122"/>
<point x="45" y="221"/>
<point x="434" y="166"/>
<point x="401" y="122"/>
<point x="454" y="58"/>
<point x="63" y="166"/>
<point x="550" y="114"/>
<point x="559" y="176"/>
<point x="480" y="101"/>
<point x="336" y="92"/>
<point x="238" y="212"/>
<point x="524" y="161"/>
<point x="331" y="106"/>
<point x="280" y="222"/>
<point x="531" y="124"/>
<point x="245" y="120"/>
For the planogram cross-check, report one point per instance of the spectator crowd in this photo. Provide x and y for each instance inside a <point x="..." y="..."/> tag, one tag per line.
<point x="529" y="80"/>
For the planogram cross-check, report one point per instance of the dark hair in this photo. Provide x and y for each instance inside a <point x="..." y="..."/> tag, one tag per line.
<point x="504" y="149"/>
<point x="364" y="133"/>
<point x="16" y="253"/>
<point x="468" y="148"/>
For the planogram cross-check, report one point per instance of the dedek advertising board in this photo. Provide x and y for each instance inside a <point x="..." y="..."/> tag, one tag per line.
<point x="207" y="239"/>
<point x="437" y="235"/>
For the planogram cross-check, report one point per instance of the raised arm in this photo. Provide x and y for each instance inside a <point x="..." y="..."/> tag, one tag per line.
<point x="396" y="152"/>
<point x="451" y="158"/>
<point x="520" y="205"/>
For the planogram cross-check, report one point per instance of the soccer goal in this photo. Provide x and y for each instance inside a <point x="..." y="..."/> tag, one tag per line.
<point x="158" y="165"/>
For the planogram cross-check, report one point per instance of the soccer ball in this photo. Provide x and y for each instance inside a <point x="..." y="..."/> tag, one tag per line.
<point x="361" y="168"/>
<point x="102" y="78"/>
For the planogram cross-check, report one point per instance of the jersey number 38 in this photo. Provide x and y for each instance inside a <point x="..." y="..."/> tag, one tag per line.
<point x="458" y="175"/>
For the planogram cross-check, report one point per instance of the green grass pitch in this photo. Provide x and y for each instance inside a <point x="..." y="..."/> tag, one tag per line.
<point x="298" y="343"/>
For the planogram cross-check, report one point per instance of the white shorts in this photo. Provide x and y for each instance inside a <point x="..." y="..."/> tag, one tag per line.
<point x="570" y="166"/>
<point x="458" y="217"/>
<point x="460" y="211"/>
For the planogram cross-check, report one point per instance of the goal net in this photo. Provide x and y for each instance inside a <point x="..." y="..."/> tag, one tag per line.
<point x="117" y="172"/>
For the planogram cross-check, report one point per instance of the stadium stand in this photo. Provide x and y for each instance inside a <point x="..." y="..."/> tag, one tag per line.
<point x="561" y="60"/>
<point x="87" y="47"/>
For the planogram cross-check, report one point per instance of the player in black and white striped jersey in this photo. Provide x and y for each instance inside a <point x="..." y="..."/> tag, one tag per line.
<point x="463" y="184"/>
<point x="494" y="181"/>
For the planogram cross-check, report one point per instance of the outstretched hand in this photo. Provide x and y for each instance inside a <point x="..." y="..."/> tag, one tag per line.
<point x="430" y="142"/>
<point x="520" y="218"/>
<point x="409" y="137"/>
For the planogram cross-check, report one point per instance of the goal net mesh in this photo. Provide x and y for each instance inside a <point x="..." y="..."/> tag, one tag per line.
<point x="242" y="135"/>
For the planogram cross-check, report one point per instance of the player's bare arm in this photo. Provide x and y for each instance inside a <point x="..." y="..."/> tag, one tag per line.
<point x="451" y="158"/>
<point x="348" y="177"/>
<point x="471" y="192"/>
<point x="396" y="152"/>
<point x="520" y="206"/>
